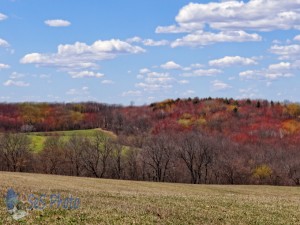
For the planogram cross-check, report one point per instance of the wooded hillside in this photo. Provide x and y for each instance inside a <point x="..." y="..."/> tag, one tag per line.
<point x="184" y="140"/>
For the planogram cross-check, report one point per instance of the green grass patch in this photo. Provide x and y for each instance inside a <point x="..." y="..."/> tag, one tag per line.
<point x="38" y="138"/>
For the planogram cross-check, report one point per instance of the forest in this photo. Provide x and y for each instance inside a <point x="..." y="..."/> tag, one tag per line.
<point x="199" y="141"/>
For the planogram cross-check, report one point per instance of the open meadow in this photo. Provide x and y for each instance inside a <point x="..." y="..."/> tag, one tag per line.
<point x="104" y="201"/>
<point x="38" y="138"/>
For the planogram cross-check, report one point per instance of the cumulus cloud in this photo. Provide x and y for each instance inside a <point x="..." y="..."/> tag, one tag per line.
<point x="219" y="85"/>
<point x="230" y="20"/>
<point x="82" y="56"/>
<point x="81" y="91"/>
<point x="16" y="83"/>
<point x="248" y="74"/>
<point x="247" y="93"/>
<point x="16" y="75"/>
<point x="72" y="91"/>
<point x="144" y="70"/>
<point x="232" y="61"/>
<point x="297" y="38"/>
<point x="286" y="51"/>
<point x="273" y="72"/>
<point x="178" y="29"/>
<point x="2" y="16"/>
<point x="4" y="66"/>
<point x="150" y="42"/>
<point x="183" y="81"/>
<point x="85" y="73"/>
<point x="107" y="82"/>
<point x="201" y="38"/>
<point x="155" y="81"/>
<point x="131" y="93"/>
<point x="189" y="93"/>
<point x="3" y="43"/>
<point x="171" y="65"/>
<point x="202" y="73"/>
<point x="282" y="66"/>
<point x="57" y="23"/>
<point x="147" y="42"/>
<point x="262" y="15"/>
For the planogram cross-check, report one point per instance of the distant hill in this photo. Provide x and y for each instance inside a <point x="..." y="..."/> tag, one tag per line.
<point x="240" y="120"/>
<point x="219" y="141"/>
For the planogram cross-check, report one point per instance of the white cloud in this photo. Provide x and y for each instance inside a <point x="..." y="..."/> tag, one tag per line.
<point x="134" y="39"/>
<point x="262" y="15"/>
<point x="131" y="93"/>
<point x="16" y="83"/>
<point x="44" y="76"/>
<point x="183" y="81"/>
<point x="247" y="93"/>
<point x="275" y="75"/>
<point x="82" y="56"/>
<point x="282" y="66"/>
<point x="2" y="16"/>
<point x="219" y="85"/>
<point x="57" y="23"/>
<point x="107" y="82"/>
<point x="150" y="42"/>
<point x="249" y="74"/>
<point x="144" y="70"/>
<point x="147" y="42"/>
<point x="4" y="66"/>
<point x="171" y="65"/>
<point x="201" y="38"/>
<point x="72" y="91"/>
<point x="3" y="43"/>
<point x="273" y="72"/>
<point x="202" y="73"/>
<point x="154" y="81"/>
<point x="286" y="51"/>
<point x="296" y="38"/>
<point x="153" y="87"/>
<point x="177" y="29"/>
<point x="189" y="93"/>
<point x="81" y="91"/>
<point x="16" y="75"/>
<point x="231" y="20"/>
<point x="232" y="61"/>
<point x="85" y="73"/>
<point x="197" y="65"/>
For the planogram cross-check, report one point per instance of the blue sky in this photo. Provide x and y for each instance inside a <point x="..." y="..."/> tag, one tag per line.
<point x="146" y="51"/>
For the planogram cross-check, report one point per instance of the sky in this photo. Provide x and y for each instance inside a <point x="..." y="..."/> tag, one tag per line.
<point x="138" y="52"/>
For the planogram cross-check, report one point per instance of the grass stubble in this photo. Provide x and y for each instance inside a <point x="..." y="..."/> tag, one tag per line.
<point x="105" y="201"/>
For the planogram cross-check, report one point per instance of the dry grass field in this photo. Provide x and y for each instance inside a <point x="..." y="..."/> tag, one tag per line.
<point x="129" y="202"/>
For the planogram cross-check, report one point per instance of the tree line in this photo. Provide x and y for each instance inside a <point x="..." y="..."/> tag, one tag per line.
<point x="186" y="157"/>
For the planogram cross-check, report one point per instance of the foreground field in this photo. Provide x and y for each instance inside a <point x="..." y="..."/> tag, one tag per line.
<point x="128" y="202"/>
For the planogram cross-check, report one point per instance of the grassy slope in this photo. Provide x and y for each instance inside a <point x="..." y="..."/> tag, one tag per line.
<point x="128" y="202"/>
<point x="38" y="138"/>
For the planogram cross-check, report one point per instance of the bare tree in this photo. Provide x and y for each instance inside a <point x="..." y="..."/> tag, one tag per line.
<point x="74" y="151"/>
<point x="15" y="151"/>
<point x="53" y="156"/>
<point x="118" y="160"/>
<point x="132" y="162"/>
<point x="158" y="153"/>
<point x="196" y="151"/>
<point x="96" y="155"/>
